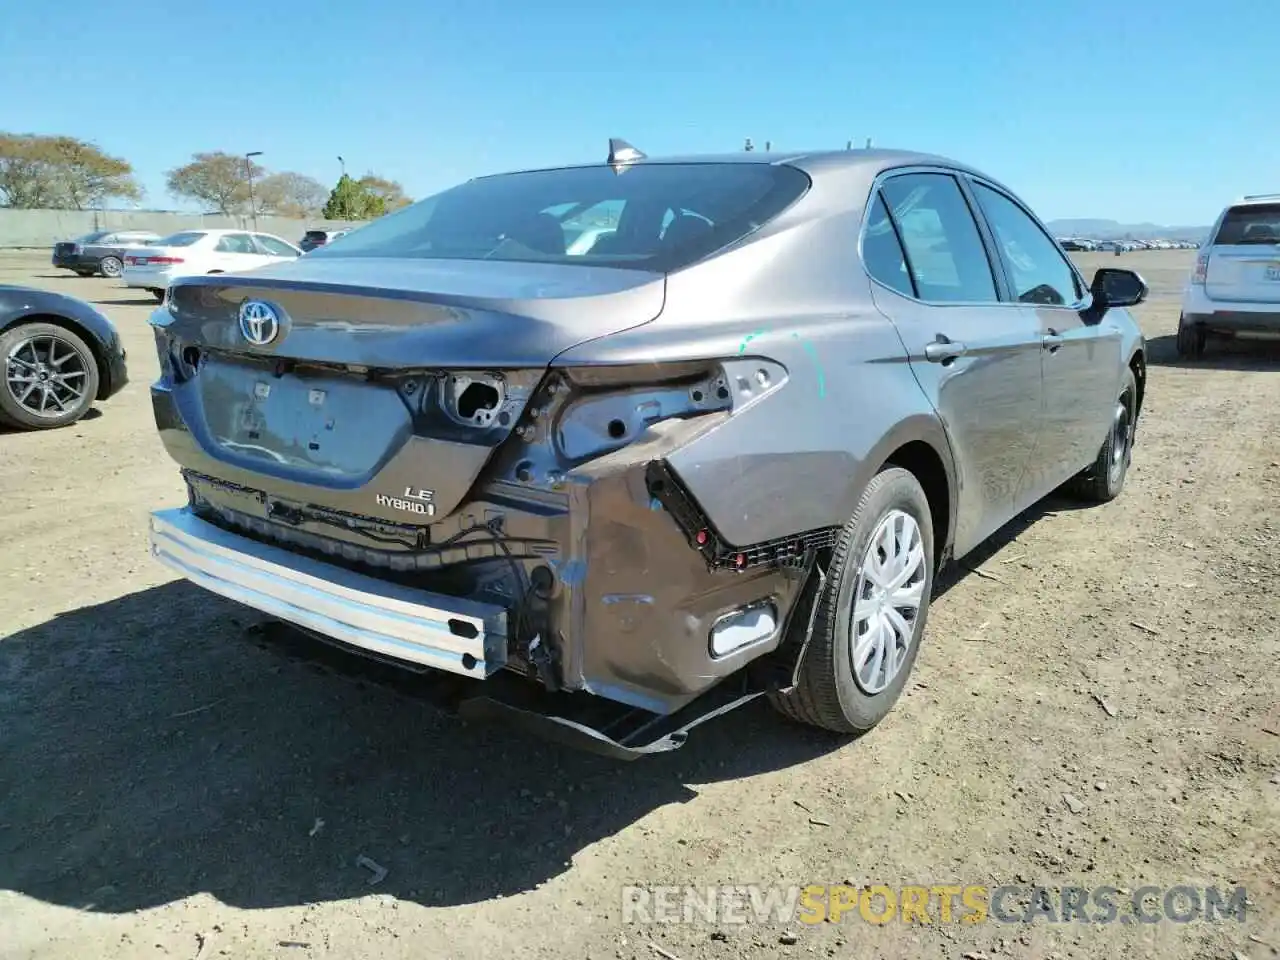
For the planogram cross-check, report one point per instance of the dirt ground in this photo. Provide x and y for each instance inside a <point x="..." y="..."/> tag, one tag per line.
<point x="1100" y="705"/>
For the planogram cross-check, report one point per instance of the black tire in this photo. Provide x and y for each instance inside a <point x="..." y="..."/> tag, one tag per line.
<point x="111" y="267"/>
<point x="158" y="294"/>
<point x="827" y="695"/>
<point x="12" y="410"/>
<point x="1190" y="341"/>
<point x="1104" y="480"/>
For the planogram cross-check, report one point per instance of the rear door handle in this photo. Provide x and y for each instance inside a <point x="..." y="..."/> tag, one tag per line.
<point x="943" y="351"/>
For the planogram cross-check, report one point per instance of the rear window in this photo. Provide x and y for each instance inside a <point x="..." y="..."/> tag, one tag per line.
<point x="179" y="239"/>
<point x="1253" y="223"/>
<point x="93" y="237"/>
<point x="315" y="235"/>
<point x="656" y="217"/>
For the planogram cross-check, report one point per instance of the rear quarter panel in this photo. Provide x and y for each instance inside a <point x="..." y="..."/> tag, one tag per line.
<point x="798" y="457"/>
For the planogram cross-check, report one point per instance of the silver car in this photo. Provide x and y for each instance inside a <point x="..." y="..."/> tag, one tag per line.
<point x="719" y="453"/>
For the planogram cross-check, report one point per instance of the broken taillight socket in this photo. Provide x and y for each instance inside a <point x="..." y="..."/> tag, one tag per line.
<point x="701" y="537"/>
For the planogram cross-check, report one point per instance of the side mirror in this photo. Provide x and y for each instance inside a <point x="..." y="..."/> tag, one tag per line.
<point x="1115" y="287"/>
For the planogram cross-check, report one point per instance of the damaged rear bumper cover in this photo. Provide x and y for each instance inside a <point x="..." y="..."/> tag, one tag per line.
<point x="446" y="633"/>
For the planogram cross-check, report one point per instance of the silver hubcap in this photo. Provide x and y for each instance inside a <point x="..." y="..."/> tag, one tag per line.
<point x="46" y="376"/>
<point x="111" y="267"/>
<point x="1121" y="440"/>
<point x="886" y="601"/>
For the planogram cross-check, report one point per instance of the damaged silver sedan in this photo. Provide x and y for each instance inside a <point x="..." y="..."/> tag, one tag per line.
<point x="629" y="444"/>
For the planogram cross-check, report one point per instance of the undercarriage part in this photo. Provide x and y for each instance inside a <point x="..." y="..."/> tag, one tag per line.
<point x="667" y="490"/>
<point x="583" y="723"/>
<point x="605" y="728"/>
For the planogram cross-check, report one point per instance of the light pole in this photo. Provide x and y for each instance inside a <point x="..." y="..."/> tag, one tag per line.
<point x="248" y="173"/>
<point x="343" y="164"/>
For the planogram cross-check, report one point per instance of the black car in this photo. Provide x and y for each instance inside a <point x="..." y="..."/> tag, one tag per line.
<point x="101" y="252"/>
<point x="318" y="238"/>
<point x="59" y="356"/>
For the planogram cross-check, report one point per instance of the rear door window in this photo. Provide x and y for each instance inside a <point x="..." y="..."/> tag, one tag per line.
<point x="1250" y="224"/>
<point x="881" y="252"/>
<point x="236" y="243"/>
<point x="943" y="248"/>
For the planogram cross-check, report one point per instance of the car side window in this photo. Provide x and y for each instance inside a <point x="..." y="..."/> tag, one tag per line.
<point x="273" y="247"/>
<point x="881" y="252"/>
<point x="235" y="243"/>
<point x="943" y="247"/>
<point x="1037" y="272"/>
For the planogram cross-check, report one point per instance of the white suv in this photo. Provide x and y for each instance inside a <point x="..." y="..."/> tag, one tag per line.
<point x="1234" y="290"/>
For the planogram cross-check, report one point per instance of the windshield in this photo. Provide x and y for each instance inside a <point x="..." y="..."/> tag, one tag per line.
<point x="185" y="239"/>
<point x="656" y="217"/>
<point x="1255" y="223"/>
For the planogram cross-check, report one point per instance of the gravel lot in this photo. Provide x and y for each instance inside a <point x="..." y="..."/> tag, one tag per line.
<point x="1100" y="705"/>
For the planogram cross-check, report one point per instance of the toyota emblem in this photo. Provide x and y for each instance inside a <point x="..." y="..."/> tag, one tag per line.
<point x="259" y="322"/>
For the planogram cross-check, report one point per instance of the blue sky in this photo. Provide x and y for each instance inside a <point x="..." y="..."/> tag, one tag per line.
<point x="1137" y="110"/>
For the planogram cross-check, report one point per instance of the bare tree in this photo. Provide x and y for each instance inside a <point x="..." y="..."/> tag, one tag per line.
<point x="61" y="172"/>
<point x="220" y="180"/>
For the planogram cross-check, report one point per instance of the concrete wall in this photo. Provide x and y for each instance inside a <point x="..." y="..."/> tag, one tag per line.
<point x="43" y="228"/>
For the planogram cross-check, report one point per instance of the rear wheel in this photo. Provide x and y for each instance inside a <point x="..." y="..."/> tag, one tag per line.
<point x="1191" y="339"/>
<point x="111" y="267"/>
<point x="871" y="611"/>
<point x="50" y="376"/>
<point x="158" y="294"/>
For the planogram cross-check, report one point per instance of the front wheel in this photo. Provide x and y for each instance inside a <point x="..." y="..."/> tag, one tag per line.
<point x="871" y="611"/>
<point x="1105" y="479"/>
<point x="111" y="267"/>
<point x="50" y="376"/>
<point x="158" y="294"/>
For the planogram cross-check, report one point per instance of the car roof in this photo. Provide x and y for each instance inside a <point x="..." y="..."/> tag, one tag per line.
<point x="1255" y="198"/>
<point x="870" y="160"/>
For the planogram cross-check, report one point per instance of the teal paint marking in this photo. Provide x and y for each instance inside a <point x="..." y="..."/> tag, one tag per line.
<point x="748" y="338"/>
<point x="813" y="355"/>
<point x="805" y="344"/>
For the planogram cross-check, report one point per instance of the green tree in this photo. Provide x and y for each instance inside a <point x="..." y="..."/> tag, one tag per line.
<point x="289" y="194"/>
<point x="392" y="194"/>
<point x="352" y="200"/>
<point x="220" y="180"/>
<point x="61" y="172"/>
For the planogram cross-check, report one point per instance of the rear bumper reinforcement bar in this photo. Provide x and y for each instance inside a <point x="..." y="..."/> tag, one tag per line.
<point x="445" y="633"/>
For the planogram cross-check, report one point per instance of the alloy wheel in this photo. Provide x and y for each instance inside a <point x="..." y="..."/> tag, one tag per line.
<point x="46" y="375"/>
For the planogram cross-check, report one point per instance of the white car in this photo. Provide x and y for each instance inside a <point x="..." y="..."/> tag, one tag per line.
<point x="1234" y="290"/>
<point x="202" y="251"/>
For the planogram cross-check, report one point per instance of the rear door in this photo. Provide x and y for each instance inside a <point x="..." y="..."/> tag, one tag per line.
<point x="236" y="251"/>
<point x="1082" y="352"/>
<point x="1244" y="256"/>
<point x="977" y="357"/>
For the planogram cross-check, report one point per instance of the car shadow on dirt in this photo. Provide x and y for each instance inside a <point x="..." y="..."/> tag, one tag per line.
<point x="151" y="749"/>
<point x="1255" y="356"/>
<point x="128" y="302"/>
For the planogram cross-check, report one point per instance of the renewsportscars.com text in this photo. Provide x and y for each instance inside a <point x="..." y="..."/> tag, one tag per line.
<point x="934" y="903"/>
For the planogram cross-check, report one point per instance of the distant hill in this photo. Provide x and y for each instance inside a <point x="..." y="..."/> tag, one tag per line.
<point x="1114" y="230"/>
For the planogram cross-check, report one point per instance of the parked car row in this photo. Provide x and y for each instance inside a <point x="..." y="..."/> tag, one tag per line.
<point x="105" y="253"/>
<point x="1088" y="244"/>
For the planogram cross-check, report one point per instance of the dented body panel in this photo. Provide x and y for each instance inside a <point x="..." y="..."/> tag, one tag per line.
<point x="627" y="462"/>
